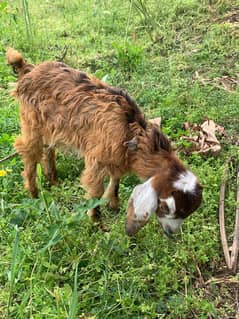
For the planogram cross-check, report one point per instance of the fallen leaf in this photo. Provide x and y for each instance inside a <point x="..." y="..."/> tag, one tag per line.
<point x="203" y="137"/>
<point x="156" y="121"/>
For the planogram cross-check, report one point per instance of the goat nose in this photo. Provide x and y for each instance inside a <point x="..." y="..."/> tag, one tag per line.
<point x="131" y="229"/>
<point x="168" y="232"/>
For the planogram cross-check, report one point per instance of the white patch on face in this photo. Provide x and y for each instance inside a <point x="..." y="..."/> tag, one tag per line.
<point x="186" y="182"/>
<point x="144" y="200"/>
<point x="170" y="201"/>
<point x="170" y="225"/>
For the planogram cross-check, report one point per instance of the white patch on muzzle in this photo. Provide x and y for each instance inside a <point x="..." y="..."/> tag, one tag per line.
<point x="170" y="225"/>
<point x="186" y="182"/>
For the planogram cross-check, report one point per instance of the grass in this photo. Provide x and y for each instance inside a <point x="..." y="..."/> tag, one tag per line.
<point x="54" y="262"/>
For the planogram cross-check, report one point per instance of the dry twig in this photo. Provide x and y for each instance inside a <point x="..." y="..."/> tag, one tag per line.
<point x="223" y="280"/>
<point x="8" y="157"/>
<point x="231" y="259"/>
<point x="235" y="245"/>
<point x="222" y="224"/>
<point x="225" y="82"/>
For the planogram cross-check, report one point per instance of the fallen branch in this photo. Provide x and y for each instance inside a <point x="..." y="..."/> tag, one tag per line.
<point x="235" y="245"/>
<point x="222" y="280"/>
<point x="231" y="259"/>
<point x="222" y="224"/>
<point x="8" y="157"/>
<point x="225" y="82"/>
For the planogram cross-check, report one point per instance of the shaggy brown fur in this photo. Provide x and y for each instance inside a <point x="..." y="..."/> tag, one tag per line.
<point x="63" y="107"/>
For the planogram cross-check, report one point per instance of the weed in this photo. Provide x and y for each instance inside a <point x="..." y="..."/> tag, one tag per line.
<point x="128" y="56"/>
<point x="13" y="272"/>
<point x="74" y="299"/>
<point x="148" y="18"/>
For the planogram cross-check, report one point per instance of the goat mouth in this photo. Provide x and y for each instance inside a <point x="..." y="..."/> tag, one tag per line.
<point x="170" y="226"/>
<point x="168" y="235"/>
<point x="132" y="227"/>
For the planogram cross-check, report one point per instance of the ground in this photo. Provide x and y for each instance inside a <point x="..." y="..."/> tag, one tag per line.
<point x="179" y="60"/>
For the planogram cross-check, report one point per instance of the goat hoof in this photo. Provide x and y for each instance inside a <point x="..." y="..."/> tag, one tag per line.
<point x="34" y="193"/>
<point x="104" y="228"/>
<point x="114" y="205"/>
<point x="94" y="214"/>
<point x="54" y="183"/>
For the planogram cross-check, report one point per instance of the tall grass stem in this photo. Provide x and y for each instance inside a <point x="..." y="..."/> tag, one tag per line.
<point x="73" y="304"/>
<point x="13" y="269"/>
<point x="27" y="19"/>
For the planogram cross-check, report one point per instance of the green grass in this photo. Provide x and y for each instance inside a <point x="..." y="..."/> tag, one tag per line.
<point x="54" y="262"/>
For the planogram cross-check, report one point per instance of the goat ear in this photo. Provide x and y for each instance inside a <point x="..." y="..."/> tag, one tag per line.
<point x="160" y="141"/>
<point x="142" y="203"/>
<point x="132" y="144"/>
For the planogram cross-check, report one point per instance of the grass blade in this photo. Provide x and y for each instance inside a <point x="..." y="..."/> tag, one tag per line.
<point x="74" y="299"/>
<point x="13" y="269"/>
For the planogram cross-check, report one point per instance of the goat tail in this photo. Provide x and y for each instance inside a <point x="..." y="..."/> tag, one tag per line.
<point x="16" y="60"/>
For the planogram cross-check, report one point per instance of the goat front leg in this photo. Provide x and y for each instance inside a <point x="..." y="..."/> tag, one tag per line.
<point x="48" y="163"/>
<point x="93" y="181"/>
<point x="112" y="193"/>
<point x="30" y="151"/>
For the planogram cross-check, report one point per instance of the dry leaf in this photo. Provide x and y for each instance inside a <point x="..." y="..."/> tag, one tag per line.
<point x="203" y="137"/>
<point x="156" y="121"/>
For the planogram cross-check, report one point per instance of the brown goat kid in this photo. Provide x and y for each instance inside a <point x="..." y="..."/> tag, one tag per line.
<point x="63" y="107"/>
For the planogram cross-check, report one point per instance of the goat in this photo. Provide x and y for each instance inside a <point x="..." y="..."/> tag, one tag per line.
<point x="64" y="107"/>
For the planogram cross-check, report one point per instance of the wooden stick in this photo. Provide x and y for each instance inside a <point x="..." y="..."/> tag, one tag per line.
<point x="235" y="245"/>
<point x="8" y="157"/>
<point x="222" y="224"/>
<point x="231" y="259"/>
<point x="220" y="280"/>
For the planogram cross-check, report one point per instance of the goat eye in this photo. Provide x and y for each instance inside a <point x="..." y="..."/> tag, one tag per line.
<point x="163" y="208"/>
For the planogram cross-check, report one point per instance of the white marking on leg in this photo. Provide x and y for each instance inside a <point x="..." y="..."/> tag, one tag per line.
<point x="186" y="182"/>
